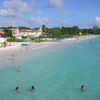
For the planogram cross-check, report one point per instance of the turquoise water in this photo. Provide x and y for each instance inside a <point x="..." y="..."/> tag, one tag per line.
<point x="57" y="75"/>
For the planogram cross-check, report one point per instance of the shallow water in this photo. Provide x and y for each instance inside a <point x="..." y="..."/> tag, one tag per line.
<point x="57" y="75"/>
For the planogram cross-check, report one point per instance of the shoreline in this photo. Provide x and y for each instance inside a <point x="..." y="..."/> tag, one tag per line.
<point x="17" y="45"/>
<point x="34" y="50"/>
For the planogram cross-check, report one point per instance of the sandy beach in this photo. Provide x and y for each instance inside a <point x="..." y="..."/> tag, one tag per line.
<point x="17" y="45"/>
<point x="20" y="53"/>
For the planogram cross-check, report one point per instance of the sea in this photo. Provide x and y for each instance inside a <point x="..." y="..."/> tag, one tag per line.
<point x="56" y="75"/>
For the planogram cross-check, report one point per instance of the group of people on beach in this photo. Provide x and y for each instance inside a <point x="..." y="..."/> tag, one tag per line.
<point x="17" y="89"/>
<point x="4" y="44"/>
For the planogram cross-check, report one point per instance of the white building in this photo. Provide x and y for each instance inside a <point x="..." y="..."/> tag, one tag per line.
<point x="29" y="33"/>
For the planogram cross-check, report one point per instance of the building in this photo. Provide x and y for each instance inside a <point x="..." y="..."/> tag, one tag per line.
<point x="29" y="33"/>
<point x="1" y="33"/>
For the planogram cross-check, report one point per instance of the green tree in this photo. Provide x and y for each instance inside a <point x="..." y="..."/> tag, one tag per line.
<point x="43" y="28"/>
<point x="55" y="31"/>
<point x="64" y="31"/>
<point x="23" y="27"/>
<point x="8" y="33"/>
<point x="96" y="29"/>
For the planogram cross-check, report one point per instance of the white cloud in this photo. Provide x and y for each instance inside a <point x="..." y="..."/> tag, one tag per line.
<point x="86" y="25"/>
<point x="56" y="4"/>
<point x="14" y="22"/>
<point x="32" y="3"/>
<point x="8" y="13"/>
<point x="7" y="22"/>
<point x="15" y="8"/>
<point x="39" y="12"/>
<point x="65" y="13"/>
<point x="63" y="22"/>
<point x="38" y="21"/>
<point x="97" y="19"/>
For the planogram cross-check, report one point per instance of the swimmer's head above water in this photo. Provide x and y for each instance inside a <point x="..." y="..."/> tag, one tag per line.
<point x="33" y="88"/>
<point x="83" y="88"/>
<point x="17" y="89"/>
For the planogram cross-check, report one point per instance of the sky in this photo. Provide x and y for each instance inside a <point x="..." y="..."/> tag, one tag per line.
<point x="51" y="13"/>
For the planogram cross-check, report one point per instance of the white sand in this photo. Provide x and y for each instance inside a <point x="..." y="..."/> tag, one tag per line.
<point x="17" y="45"/>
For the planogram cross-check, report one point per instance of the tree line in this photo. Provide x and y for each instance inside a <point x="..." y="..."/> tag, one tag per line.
<point x="70" y="31"/>
<point x="56" y="31"/>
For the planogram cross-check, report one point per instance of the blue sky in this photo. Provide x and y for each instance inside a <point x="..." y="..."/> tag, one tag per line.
<point x="52" y="13"/>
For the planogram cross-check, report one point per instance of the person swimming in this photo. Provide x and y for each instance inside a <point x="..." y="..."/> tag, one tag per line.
<point x="33" y="88"/>
<point x="83" y="88"/>
<point x="17" y="89"/>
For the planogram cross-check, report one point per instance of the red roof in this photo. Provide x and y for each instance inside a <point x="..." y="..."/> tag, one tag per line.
<point x="28" y="30"/>
<point x="2" y="32"/>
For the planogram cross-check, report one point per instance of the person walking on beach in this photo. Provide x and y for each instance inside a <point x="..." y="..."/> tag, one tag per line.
<point x="5" y="44"/>
<point x="26" y="48"/>
<point x="13" y="57"/>
<point x="19" y="68"/>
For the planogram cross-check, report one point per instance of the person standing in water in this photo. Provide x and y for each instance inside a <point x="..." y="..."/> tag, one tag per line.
<point x="91" y="43"/>
<point x="19" y="68"/>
